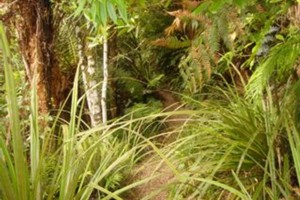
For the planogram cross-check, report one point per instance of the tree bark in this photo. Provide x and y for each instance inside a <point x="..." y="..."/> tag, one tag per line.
<point x="88" y="69"/>
<point x="35" y="33"/>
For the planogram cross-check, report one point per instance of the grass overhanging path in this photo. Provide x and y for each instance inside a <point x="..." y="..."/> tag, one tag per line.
<point x="153" y="165"/>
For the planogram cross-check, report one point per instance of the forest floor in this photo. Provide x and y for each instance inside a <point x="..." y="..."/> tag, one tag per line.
<point x="155" y="189"/>
<point x="153" y="166"/>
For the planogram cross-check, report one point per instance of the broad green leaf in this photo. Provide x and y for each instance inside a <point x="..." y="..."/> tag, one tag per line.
<point x="279" y="37"/>
<point x="94" y="12"/>
<point x="103" y="14"/>
<point x="240" y="3"/>
<point x="122" y="9"/>
<point x="202" y="7"/>
<point x="111" y="12"/>
<point x="80" y="7"/>
<point x="155" y="81"/>
<point x="217" y="5"/>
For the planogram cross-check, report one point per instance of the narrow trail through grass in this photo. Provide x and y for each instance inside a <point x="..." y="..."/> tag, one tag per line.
<point x="153" y="165"/>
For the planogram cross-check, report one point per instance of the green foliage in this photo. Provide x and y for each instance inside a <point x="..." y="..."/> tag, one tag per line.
<point x="279" y="64"/>
<point x="242" y="161"/>
<point x="207" y="33"/>
<point x="230" y="146"/>
<point x="14" y="175"/>
<point x="150" y="125"/>
<point x="100" y="12"/>
<point x="82" y="163"/>
<point x="141" y="65"/>
<point x="294" y="139"/>
<point x="65" y="46"/>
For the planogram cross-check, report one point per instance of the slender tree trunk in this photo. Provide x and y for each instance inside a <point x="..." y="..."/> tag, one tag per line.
<point x="88" y="68"/>
<point x="105" y="80"/>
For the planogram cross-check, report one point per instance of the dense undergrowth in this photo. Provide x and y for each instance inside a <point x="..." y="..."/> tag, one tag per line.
<point x="234" y="141"/>
<point x="230" y="148"/>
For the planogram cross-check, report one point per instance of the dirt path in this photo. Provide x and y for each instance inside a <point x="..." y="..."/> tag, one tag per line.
<point x="157" y="188"/>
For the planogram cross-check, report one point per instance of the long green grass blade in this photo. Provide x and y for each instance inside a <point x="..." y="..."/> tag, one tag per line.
<point x="34" y="142"/>
<point x="241" y="185"/>
<point x="294" y="141"/>
<point x="68" y="183"/>
<point x="6" y="172"/>
<point x="105" y="191"/>
<point x="225" y="187"/>
<point x="21" y="170"/>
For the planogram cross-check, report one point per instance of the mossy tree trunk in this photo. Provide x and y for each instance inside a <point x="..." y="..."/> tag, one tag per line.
<point x="89" y="76"/>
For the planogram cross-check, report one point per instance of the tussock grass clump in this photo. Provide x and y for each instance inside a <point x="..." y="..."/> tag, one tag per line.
<point x="242" y="149"/>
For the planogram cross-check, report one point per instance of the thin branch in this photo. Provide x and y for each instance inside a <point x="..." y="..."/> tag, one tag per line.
<point x="105" y="80"/>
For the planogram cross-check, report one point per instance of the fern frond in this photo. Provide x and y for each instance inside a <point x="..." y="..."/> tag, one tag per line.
<point x="281" y="60"/>
<point x="213" y="39"/>
<point x="196" y="67"/>
<point x="185" y="19"/>
<point x="172" y="43"/>
<point x="205" y="59"/>
<point x="223" y="29"/>
<point x="175" y="26"/>
<point x="65" y="46"/>
<point x="186" y="70"/>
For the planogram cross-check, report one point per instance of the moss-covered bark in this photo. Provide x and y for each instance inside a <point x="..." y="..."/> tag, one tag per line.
<point x="89" y="77"/>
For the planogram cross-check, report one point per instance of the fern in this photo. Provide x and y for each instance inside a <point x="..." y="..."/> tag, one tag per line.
<point x="223" y="30"/>
<point x="213" y="39"/>
<point x="65" y="46"/>
<point x="196" y="67"/>
<point x="207" y="30"/>
<point x="172" y="43"/>
<point x="281" y="60"/>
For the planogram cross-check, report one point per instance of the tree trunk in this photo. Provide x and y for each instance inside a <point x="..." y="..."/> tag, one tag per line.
<point x="35" y="32"/>
<point x="105" y="80"/>
<point x="89" y="77"/>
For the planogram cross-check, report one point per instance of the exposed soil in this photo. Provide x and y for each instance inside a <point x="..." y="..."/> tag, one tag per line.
<point x="157" y="188"/>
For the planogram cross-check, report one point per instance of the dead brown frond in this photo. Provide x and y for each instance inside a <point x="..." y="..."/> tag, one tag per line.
<point x="171" y="42"/>
<point x="294" y="15"/>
